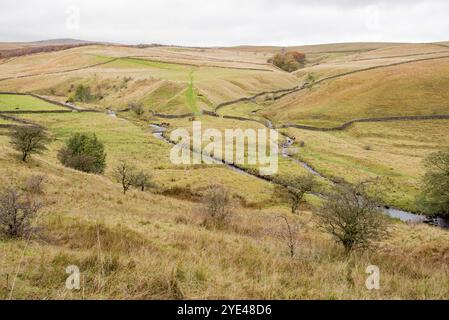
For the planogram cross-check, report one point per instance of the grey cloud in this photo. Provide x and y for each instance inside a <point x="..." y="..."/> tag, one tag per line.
<point x="230" y="22"/>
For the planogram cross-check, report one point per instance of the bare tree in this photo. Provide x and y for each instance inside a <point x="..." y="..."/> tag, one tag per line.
<point x="34" y="184"/>
<point x="143" y="180"/>
<point x="125" y="175"/>
<point x="290" y="235"/>
<point x="29" y="140"/>
<point x="16" y="213"/>
<point x="218" y="205"/>
<point x="352" y="215"/>
<point x="294" y="188"/>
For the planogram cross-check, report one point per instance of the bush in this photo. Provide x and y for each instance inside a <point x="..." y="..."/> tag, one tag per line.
<point x="137" y="108"/>
<point x="353" y="217"/>
<point x="143" y="181"/>
<point x="293" y="189"/>
<point x="85" y="153"/>
<point x="34" y="184"/>
<point x="435" y="199"/>
<point x="29" y="140"/>
<point x="218" y="205"/>
<point x="290" y="61"/>
<point x="16" y="213"/>
<point x="82" y="94"/>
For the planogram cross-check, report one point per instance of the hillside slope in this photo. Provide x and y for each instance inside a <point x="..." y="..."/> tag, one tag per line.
<point x="418" y="88"/>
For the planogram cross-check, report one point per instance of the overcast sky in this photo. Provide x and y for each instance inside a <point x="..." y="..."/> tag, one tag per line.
<point x="226" y="22"/>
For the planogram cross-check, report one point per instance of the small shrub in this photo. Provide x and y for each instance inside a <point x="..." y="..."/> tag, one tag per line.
<point x="137" y="108"/>
<point x="82" y="94"/>
<point x="289" y="235"/>
<point x="143" y="181"/>
<point x="85" y="153"/>
<point x="218" y="205"/>
<point x="435" y="184"/>
<point x="311" y="78"/>
<point x="16" y="213"/>
<point x="34" y="184"/>
<point x="352" y="216"/>
<point x="29" y="140"/>
<point x="293" y="189"/>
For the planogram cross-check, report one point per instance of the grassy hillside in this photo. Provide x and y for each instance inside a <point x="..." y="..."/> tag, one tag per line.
<point x="155" y="244"/>
<point x="394" y="151"/>
<point x="120" y="75"/>
<point x="147" y="246"/>
<point x="409" y="89"/>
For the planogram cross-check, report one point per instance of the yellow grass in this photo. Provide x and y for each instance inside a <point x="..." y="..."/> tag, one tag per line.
<point x="393" y="151"/>
<point x="409" y="89"/>
<point x="154" y="246"/>
<point x="144" y="246"/>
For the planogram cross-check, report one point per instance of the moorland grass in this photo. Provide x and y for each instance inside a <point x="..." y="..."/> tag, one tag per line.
<point x="145" y="246"/>
<point x="393" y="151"/>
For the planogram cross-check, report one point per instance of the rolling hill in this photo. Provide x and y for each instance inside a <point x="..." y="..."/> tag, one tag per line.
<point x="156" y="244"/>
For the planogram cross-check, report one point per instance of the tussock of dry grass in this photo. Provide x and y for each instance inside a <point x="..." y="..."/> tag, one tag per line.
<point x="144" y="246"/>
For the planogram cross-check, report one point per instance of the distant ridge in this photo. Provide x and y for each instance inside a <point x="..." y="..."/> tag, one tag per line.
<point x="60" y="41"/>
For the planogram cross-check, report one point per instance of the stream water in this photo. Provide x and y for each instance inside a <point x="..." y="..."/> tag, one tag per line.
<point x="408" y="217"/>
<point x="402" y="215"/>
<point x="158" y="132"/>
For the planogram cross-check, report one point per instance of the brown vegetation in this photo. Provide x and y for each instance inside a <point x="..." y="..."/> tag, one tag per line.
<point x="289" y="61"/>
<point x="353" y="217"/>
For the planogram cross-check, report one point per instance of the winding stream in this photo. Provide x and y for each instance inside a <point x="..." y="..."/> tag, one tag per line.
<point x="402" y="215"/>
<point x="408" y="217"/>
<point x="159" y="131"/>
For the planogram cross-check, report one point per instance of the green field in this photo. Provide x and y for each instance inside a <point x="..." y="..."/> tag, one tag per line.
<point x="11" y="102"/>
<point x="135" y="142"/>
<point x="393" y="151"/>
<point x="6" y="121"/>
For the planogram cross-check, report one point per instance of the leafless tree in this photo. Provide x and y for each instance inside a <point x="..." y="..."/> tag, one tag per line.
<point x="16" y="213"/>
<point x="289" y="234"/>
<point x="352" y="215"/>
<point x="218" y="205"/>
<point x="34" y="184"/>
<point x="125" y="175"/>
